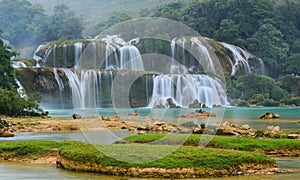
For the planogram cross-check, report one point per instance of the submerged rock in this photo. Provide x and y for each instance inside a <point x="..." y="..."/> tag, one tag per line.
<point x="270" y="115"/>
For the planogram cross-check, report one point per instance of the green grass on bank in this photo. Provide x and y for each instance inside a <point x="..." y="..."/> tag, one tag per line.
<point x="140" y="155"/>
<point x="222" y="142"/>
<point x="30" y="149"/>
<point x="183" y="157"/>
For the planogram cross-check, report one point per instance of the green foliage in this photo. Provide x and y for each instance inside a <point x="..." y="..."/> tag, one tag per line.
<point x="31" y="149"/>
<point x="260" y="90"/>
<point x="269" y="45"/>
<point x="25" y="24"/>
<point x="7" y="79"/>
<point x="12" y="104"/>
<point x="267" y="28"/>
<point x="224" y="142"/>
<point x="113" y="19"/>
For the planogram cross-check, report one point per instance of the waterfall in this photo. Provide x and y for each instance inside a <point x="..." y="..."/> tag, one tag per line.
<point x="58" y="80"/>
<point x="77" y="53"/>
<point x="129" y="55"/>
<point x="54" y="56"/>
<point x="86" y="87"/>
<point x="181" y="42"/>
<point x="65" y="52"/>
<point x="130" y="58"/>
<point x="19" y="64"/>
<point x="36" y="57"/>
<point x="21" y="89"/>
<point x="203" y="54"/>
<point x="112" y="60"/>
<point x="240" y="57"/>
<point x="184" y="89"/>
<point x="262" y="66"/>
<point x="60" y="86"/>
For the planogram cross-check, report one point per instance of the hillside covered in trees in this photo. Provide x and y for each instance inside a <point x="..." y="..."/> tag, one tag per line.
<point x="270" y="29"/>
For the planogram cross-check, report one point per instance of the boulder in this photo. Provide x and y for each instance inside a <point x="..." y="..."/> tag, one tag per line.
<point x="195" y="104"/>
<point x="6" y="133"/>
<point x="229" y="128"/>
<point x="270" y="115"/>
<point x="204" y="106"/>
<point x="171" y="103"/>
<point x="274" y="129"/>
<point x="76" y="116"/>
<point x="294" y="136"/>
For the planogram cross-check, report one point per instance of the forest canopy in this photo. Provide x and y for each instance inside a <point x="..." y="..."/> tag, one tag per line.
<point x="25" y="24"/>
<point x="270" y="29"/>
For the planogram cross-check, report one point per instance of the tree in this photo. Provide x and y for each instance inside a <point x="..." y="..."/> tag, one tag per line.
<point x="113" y="19"/>
<point x="63" y="24"/>
<point x="170" y="11"/>
<point x="26" y="24"/>
<point x="7" y="78"/>
<point x="16" y="20"/>
<point x="11" y="102"/>
<point x="228" y="31"/>
<point x="268" y="44"/>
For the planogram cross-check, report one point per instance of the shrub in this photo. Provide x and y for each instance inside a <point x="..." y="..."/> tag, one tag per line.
<point x="12" y="104"/>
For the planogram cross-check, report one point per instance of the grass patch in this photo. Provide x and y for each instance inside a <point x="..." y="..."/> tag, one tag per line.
<point x="182" y="157"/>
<point x="30" y="149"/>
<point x="223" y="142"/>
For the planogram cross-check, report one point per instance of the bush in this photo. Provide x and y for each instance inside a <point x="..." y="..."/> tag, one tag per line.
<point x="12" y="104"/>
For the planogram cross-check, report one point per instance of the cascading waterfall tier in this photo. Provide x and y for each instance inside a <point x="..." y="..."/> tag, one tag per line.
<point x="110" y="52"/>
<point x="240" y="59"/>
<point x="183" y="90"/>
<point x="79" y="67"/>
<point x="83" y="97"/>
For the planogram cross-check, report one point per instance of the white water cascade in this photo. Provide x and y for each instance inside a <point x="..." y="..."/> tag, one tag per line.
<point x="185" y="89"/>
<point x="121" y="55"/>
<point x="240" y="59"/>
<point x="130" y="59"/>
<point x="60" y="86"/>
<point x="205" y="58"/>
<point x="19" y="64"/>
<point x="86" y="86"/>
<point x="77" y="53"/>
